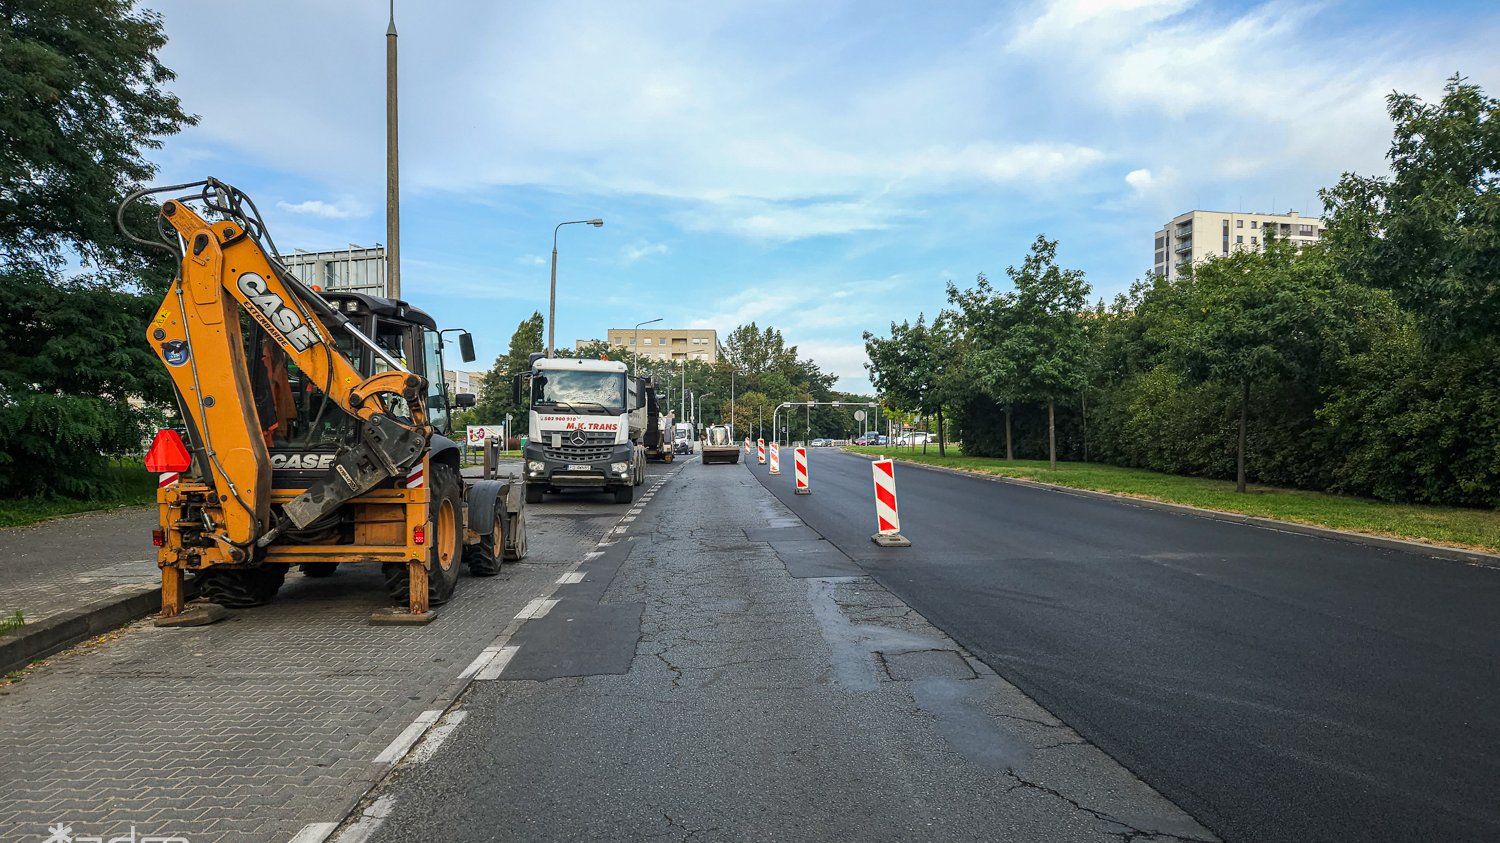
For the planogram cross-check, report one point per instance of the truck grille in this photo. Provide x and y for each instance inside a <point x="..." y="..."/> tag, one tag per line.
<point x="597" y="446"/>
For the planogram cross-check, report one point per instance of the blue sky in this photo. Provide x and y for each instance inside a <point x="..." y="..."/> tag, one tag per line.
<point x="824" y="168"/>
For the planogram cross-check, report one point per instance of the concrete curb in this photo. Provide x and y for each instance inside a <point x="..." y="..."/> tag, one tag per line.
<point x="57" y="633"/>
<point x="1456" y="554"/>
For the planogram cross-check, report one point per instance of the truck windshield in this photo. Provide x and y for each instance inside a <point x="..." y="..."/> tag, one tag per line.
<point x="589" y="392"/>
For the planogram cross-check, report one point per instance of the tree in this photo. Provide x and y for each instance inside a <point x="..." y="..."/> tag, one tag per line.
<point x="908" y="367"/>
<point x="757" y="350"/>
<point x="496" y="399"/>
<point x="1430" y="232"/>
<point x="1255" y="318"/>
<point x="1030" y="343"/>
<point x="81" y="96"/>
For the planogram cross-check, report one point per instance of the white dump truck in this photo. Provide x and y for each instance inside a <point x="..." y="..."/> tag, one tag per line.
<point x="588" y="422"/>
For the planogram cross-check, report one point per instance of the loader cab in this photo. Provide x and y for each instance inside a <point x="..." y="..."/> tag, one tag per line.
<point x="301" y="426"/>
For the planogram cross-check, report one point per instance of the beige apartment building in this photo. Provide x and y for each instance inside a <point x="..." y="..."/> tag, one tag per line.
<point x="1199" y="235"/>
<point x="669" y="343"/>
<point x="461" y="381"/>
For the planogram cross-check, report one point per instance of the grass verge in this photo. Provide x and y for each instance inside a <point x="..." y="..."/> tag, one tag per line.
<point x="1475" y="529"/>
<point x="134" y="486"/>
<point x="12" y="623"/>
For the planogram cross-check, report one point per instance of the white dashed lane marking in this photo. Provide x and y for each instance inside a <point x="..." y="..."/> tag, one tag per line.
<point x="408" y="736"/>
<point x="497" y="664"/>
<point x="435" y="737"/>
<point x="536" y="609"/>
<point x="570" y="579"/>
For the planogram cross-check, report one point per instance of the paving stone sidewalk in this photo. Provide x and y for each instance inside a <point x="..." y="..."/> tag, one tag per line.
<point x="67" y="563"/>
<point x="252" y="728"/>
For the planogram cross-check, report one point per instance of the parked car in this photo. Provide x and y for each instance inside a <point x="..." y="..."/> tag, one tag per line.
<point x="822" y="443"/>
<point x="915" y="438"/>
<point x="872" y="439"/>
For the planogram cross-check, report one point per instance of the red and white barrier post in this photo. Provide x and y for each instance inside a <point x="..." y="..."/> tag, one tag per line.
<point x="760" y="451"/>
<point x="887" y="519"/>
<point x="775" y="458"/>
<point x="801" y="455"/>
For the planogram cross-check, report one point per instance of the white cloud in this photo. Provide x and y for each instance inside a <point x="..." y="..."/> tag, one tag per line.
<point x="341" y="210"/>
<point x="639" y="251"/>
<point x="1140" y="180"/>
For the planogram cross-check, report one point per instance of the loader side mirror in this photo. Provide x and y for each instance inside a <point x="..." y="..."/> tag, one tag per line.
<point x="466" y="346"/>
<point x="464" y="400"/>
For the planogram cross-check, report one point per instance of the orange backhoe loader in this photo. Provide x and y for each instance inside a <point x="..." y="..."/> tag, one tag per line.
<point x="315" y="428"/>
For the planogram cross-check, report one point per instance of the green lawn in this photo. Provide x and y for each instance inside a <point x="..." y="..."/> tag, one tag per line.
<point x="134" y="487"/>
<point x="1477" y="529"/>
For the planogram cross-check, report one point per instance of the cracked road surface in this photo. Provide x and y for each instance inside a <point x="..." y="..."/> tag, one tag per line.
<point x="720" y="672"/>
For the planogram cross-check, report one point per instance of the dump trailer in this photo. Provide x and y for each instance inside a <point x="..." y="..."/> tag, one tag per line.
<point x="657" y="437"/>
<point x="719" y="445"/>
<point x="314" y="427"/>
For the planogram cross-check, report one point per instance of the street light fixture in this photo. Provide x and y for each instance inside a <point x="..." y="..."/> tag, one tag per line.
<point x="698" y="410"/>
<point x="552" y="300"/>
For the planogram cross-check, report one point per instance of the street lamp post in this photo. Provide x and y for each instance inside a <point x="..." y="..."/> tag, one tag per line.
<point x="636" y="352"/>
<point x="698" y="410"/>
<point x="552" y="299"/>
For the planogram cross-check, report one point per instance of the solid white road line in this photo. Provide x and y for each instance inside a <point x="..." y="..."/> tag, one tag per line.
<point x="593" y="554"/>
<point x="408" y="736"/>
<point x="570" y="579"/>
<point x="498" y="664"/>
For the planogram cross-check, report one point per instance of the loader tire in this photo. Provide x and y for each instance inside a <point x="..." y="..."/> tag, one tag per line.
<point x="318" y="569"/>
<point x="446" y="548"/>
<point x="241" y="588"/>
<point x="481" y="557"/>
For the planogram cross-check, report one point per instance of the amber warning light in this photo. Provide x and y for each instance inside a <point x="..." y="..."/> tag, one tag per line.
<point x="167" y="453"/>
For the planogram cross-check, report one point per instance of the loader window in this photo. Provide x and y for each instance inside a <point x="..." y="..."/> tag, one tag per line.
<point x="437" y="392"/>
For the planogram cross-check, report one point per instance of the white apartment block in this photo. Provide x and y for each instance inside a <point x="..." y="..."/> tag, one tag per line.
<point x="460" y="381"/>
<point x="669" y="343"/>
<point x="1199" y="235"/>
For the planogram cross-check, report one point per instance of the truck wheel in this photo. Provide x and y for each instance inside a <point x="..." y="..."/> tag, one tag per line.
<point x="241" y="588"/>
<point x="535" y="492"/>
<point x="318" y="569"/>
<point x="445" y="547"/>
<point x="481" y="557"/>
<point x="624" y="494"/>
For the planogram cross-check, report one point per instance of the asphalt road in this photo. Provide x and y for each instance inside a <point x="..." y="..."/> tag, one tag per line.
<point x="1277" y="686"/>
<point x="716" y="671"/>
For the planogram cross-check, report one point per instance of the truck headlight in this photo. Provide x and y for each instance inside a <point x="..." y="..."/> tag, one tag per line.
<point x="619" y="467"/>
<point x="536" y="466"/>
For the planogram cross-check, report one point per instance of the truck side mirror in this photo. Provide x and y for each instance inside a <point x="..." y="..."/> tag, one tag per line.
<point x="515" y="390"/>
<point x="466" y="346"/>
<point x="464" y="400"/>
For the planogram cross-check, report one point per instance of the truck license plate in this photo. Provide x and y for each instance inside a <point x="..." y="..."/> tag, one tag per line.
<point x="576" y="467"/>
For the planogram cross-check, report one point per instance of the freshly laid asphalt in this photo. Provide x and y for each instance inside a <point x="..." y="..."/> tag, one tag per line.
<point x="1277" y="686"/>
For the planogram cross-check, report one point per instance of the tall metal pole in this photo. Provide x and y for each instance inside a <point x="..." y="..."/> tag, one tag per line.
<point x="552" y="298"/>
<point x="392" y="166"/>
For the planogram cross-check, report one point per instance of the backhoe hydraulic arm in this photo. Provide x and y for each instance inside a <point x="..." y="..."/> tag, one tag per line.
<point x="196" y="332"/>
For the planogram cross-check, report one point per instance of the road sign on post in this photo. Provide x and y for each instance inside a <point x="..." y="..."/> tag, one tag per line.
<point x="801" y="459"/>
<point x="887" y="519"/>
